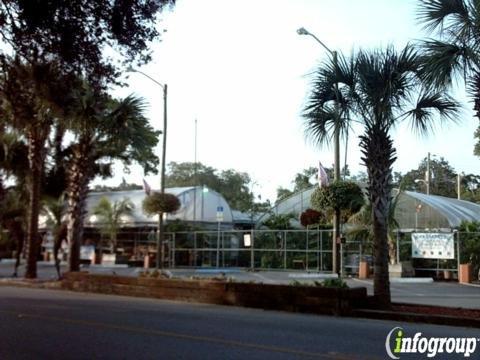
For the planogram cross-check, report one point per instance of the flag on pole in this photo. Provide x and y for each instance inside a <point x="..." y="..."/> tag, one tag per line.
<point x="322" y="176"/>
<point x="146" y="187"/>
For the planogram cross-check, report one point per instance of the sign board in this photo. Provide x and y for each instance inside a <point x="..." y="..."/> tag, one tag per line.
<point x="433" y="246"/>
<point x="87" y="252"/>
<point x="219" y="213"/>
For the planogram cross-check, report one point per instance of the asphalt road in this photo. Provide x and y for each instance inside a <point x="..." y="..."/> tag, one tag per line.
<point x="47" y="324"/>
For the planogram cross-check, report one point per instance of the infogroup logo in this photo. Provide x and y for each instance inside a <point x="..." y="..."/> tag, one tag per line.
<point x="397" y="343"/>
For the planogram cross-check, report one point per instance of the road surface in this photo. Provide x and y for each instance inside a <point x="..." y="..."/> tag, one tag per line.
<point x="48" y="324"/>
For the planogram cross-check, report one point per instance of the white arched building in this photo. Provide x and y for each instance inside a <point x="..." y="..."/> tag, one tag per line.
<point x="198" y="205"/>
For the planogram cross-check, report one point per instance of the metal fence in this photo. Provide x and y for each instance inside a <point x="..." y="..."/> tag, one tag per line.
<point x="259" y="249"/>
<point x="279" y="249"/>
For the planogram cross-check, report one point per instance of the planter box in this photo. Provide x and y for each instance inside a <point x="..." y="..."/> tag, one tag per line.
<point x="465" y="273"/>
<point x="363" y="270"/>
<point x="311" y="299"/>
<point x="108" y="259"/>
<point x="402" y="269"/>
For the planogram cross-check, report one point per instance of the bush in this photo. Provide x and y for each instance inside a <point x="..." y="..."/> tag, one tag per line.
<point x="335" y="283"/>
<point x="157" y="203"/>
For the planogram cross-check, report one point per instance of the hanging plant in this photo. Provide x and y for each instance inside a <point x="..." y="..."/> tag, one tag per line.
<point x="311" y="217"/>
<point x="345" y="196"/>
<point x="157" y="203"/>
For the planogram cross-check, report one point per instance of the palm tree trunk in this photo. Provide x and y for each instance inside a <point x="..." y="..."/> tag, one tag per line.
<point x="378" y="156"/>
<point x="36" y="157"/>
<point x="79" y="176"/>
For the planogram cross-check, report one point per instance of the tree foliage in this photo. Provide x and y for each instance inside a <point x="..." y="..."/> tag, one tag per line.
<point x="280" y="221"/>
<point x="157" y="203"/>
<point x="109" y="217"/>
<point x="345" y="196"/>
<point x="233" y="185"/>
<point x="470" y="244"/>
<point x="452" y="53"/>
<point x="75" y="33"/>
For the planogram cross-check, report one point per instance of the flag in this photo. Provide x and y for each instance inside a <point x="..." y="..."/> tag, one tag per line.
<point x="146" y="187"/>
<point x="322" y="176"/>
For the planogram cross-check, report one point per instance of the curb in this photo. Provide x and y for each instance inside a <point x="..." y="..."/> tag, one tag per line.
<point x="411" y="280"/>
<point x="312" y="276"/>
<point x="416" y="318"/>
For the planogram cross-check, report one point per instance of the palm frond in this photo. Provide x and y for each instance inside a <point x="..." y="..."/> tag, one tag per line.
<point x="442" y="62"/>
<point x="440" y="15"/>
<point x="328" y="104"/>
<point x="430" y="107"/>
<point x="319" y="125"/>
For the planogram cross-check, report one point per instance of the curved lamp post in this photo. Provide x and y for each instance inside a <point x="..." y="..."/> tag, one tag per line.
<point x="160" y="255"/>
<point x="336" y="157"/>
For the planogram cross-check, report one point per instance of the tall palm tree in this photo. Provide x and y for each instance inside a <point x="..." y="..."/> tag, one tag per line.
<point x="104" y="130"/>
<point x="32" y="96"/>
<point x="383" y="90"/>
<point x="109" y="216"/>
<point x="455" y="52"/>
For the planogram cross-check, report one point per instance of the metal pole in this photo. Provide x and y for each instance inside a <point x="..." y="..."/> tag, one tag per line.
<point x="195" y="177"/>
<point x="223" y="249"/>
<point x="195" y="246"/>
<point x="252" y="251"/>
<point x="218" y="245"/>
<point x="336" y="173"/>
<point x="173" y="250"/>
<point x="307" y="239"/>
<point x="459" y="178"/>
<point x="336" y="160"/>
<point x="398" y="247"/>
<point x="427" y="180"/>
<point x="160" y="255"/>
<point x="458" y="254"/>
<point x="284" y="250"/>
<point x="319" y="249"/>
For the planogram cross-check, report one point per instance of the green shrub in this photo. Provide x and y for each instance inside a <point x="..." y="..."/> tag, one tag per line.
<point x="335" y="283"/>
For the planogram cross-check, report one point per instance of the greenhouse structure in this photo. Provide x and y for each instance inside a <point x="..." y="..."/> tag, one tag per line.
<point x="413" y="211"/>
<point x="198" y="205"/>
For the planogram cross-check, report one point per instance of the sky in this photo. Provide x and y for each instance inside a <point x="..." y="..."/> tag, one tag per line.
<point x="240" y="68"/>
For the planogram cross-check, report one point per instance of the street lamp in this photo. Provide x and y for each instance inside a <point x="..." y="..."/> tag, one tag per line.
<point x="336" y="145"/>
<point x="159" y="257"/>
<point x="427" y="184"/>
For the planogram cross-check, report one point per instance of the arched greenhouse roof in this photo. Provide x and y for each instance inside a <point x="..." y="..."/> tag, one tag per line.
<point x="453" y="211"/>
<point x="198" y="204"/>
<point x="434" y="211"/>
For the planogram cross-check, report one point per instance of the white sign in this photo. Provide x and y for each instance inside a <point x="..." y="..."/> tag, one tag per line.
<point x="433" y="246"/>
<point x="219" y="213"/>
<point x="87" y="252"/>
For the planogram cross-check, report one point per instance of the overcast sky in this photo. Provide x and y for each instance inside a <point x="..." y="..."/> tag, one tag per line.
<point x="240" y="68"/>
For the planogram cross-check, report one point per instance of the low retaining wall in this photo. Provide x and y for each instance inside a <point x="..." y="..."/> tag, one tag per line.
<point x="310" y="299"/>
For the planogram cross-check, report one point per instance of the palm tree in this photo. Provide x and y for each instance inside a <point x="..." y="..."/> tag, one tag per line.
<point x="455" y="53"/>
<point x="104" y="130"/>
<point x="109" y="216"/>
<point x="33" y="96"/>
<point x="361" y="226"/>
<point x="384" y="88"/>
<point x="54" y="210"/>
